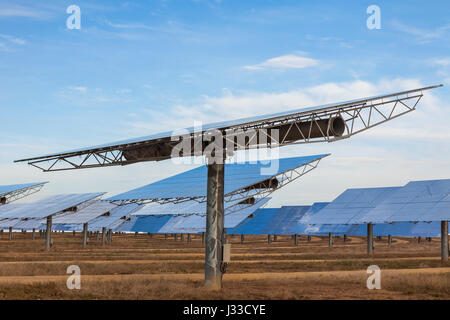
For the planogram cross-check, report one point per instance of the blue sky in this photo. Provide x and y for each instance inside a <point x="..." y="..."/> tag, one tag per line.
<point x="136" y="68"/>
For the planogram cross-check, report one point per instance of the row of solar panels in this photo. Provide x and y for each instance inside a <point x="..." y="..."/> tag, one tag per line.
<point x="288" y="220"/>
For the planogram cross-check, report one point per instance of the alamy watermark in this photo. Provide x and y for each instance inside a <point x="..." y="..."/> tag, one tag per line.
<point x="74" y="20"/>
<point x="374" y="281"/>
<point x="74" y="280"/>
<point x="374" y="20"/>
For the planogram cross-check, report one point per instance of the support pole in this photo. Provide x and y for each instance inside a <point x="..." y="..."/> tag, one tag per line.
<point x="345" y="238"/>
<point x="419" y="239"/>
<point x="33" y="236"/>
<point x="203" y="238"/>
<point x="444" y="241"/>
<point x="214" y="224"/>
<point x="182" y="237"/>
<point x="295" y="239"/>
<point x="48" y="233"/>
<point x="370" y="239"/>
<point x="275" y="238"/>
<point x="103" y="236"/>
<point x="110" y="235"/>
<point x="10" y="233"/>
<point x="309" y="238"/>
<point x="269" y="239"/>
<point x="242" y="238"/>
<point x="73" y="233"/>
<point x="330" y="239"/>
<point x="165" y="236"/>
<point x="189" y="238"/>
<point x="85" y="228"/>
<point x="389" y="239"/>
<point x="97" y="234"/>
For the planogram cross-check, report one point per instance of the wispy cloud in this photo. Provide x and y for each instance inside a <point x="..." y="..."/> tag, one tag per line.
<point x="441" y="62"/>
<point x="423" y="35"/>
<point x="14" y="11"/>
<point x="289" y="61"/>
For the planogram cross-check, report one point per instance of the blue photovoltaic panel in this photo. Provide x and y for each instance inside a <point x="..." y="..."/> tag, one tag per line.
<point x="30" y="224"/>
<point x="400" y="229"/>
<point x="417" y="201"/>
<point x="284" y="219"/>
<point x="92" y="211"/>
<point x="192" y="183"/>
<point x="7" y="223"/>
<point x="256" y="223"/>
<point x="117" y="216"/>
<point x="301" y="225"/>
<point x="351" y="204"/>
<point x="426" y="229"/>
<point x="325" y="229"/>
<point x="229" y="124"/>
<point x="150" y="224"/>
<point x="184" y="208"/>
<point x="197" y="223"/>
<point x="49" y="206"/>
<point x="16" y="187"/>
<point x="8" y="207"/>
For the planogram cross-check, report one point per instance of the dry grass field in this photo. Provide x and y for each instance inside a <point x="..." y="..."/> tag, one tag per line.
<point x="140" y="267"/>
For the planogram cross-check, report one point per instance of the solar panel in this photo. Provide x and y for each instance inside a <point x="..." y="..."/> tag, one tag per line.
<point x="192" y="183"/>
<point x="417" y="201"/>
<point x="117" y="216"/>
<point x="92" y="211"/>
<point x="49" y="206"/>
<point x="284" y="219"/>
<point x="30" y="224"/>
<point x="16" y="187"/>
<point x="233" y="124"/>
<point x="349" y="205"/>
<point x="256" y="223"/>
<point x="8" y="207"/>
<point x="8" y="223"/>
<point x="302" y="224"/>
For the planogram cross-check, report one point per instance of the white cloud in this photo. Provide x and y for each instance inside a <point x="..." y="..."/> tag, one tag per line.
<point x="289" y="61"/>
<point x="423" y="35"/>
<point x="12" y="39"/>
<point x="442" y="62"/>
<point x="78" y="88"/>
<point x="9" y="11"/>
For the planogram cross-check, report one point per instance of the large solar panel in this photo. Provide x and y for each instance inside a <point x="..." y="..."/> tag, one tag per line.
<point x="192" y="183"/>
<point x="256" y="223"/>
<point x="31" y="224"/>
<point x="302" y="224"/>
<point x="17" y="187"/>
<point x="117" y="216"/>
<point x="49" y="206"/>
<point x="417" y="201"/>
<point x="284" y="219"/>
<point x="233" y="124"/>
<point x="351" y="204"/>
<point x="92" y="211"/>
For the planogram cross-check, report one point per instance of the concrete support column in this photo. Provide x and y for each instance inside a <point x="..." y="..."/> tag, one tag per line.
<point x="33" y="236"/>
<point x="110" y="235"/>
<point x="73" y="233"/>
<point x="10" y="233"/>
<point x="389" y="239"/>
<point x="214" y="225"/>
<point x="242" y="238"/>
<point x="48" y="233"/>
<point x="330" y="239"/>
<point x="103" y="236"/>
<point x="85" y="234"/>
<point x="444" y="241"/>
<point x="370" y="239"/>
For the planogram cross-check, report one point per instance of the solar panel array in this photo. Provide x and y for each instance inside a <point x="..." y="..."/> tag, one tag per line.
<point x="186" y="224"/>
<point x="352" y="203"/>
<point x="192" y="183"/>
<point x="92" y="211"/>
<point x="417" y="201"/>
<point x="16" y="187"/>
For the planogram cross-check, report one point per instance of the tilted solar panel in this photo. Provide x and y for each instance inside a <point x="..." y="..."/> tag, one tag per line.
<point x="16" y="187"/>
<point x="284" y="219"/>
<point x="417" y="201"/>
<point x="351" y="204"/>
<point x="49" y="206"/>
<point x="92" y="211"/>
<point x="300" y="226"/>
<point x="117" y="216"/>
<point x="192" y="183"/>
<point x="256" y="223"/>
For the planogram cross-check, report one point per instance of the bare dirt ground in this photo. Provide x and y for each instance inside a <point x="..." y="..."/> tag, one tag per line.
<point x="144" y="267"/>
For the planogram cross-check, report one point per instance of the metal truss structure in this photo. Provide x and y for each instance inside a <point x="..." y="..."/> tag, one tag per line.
<point x="321" y="124"/>
<point x="21" y="193"/>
